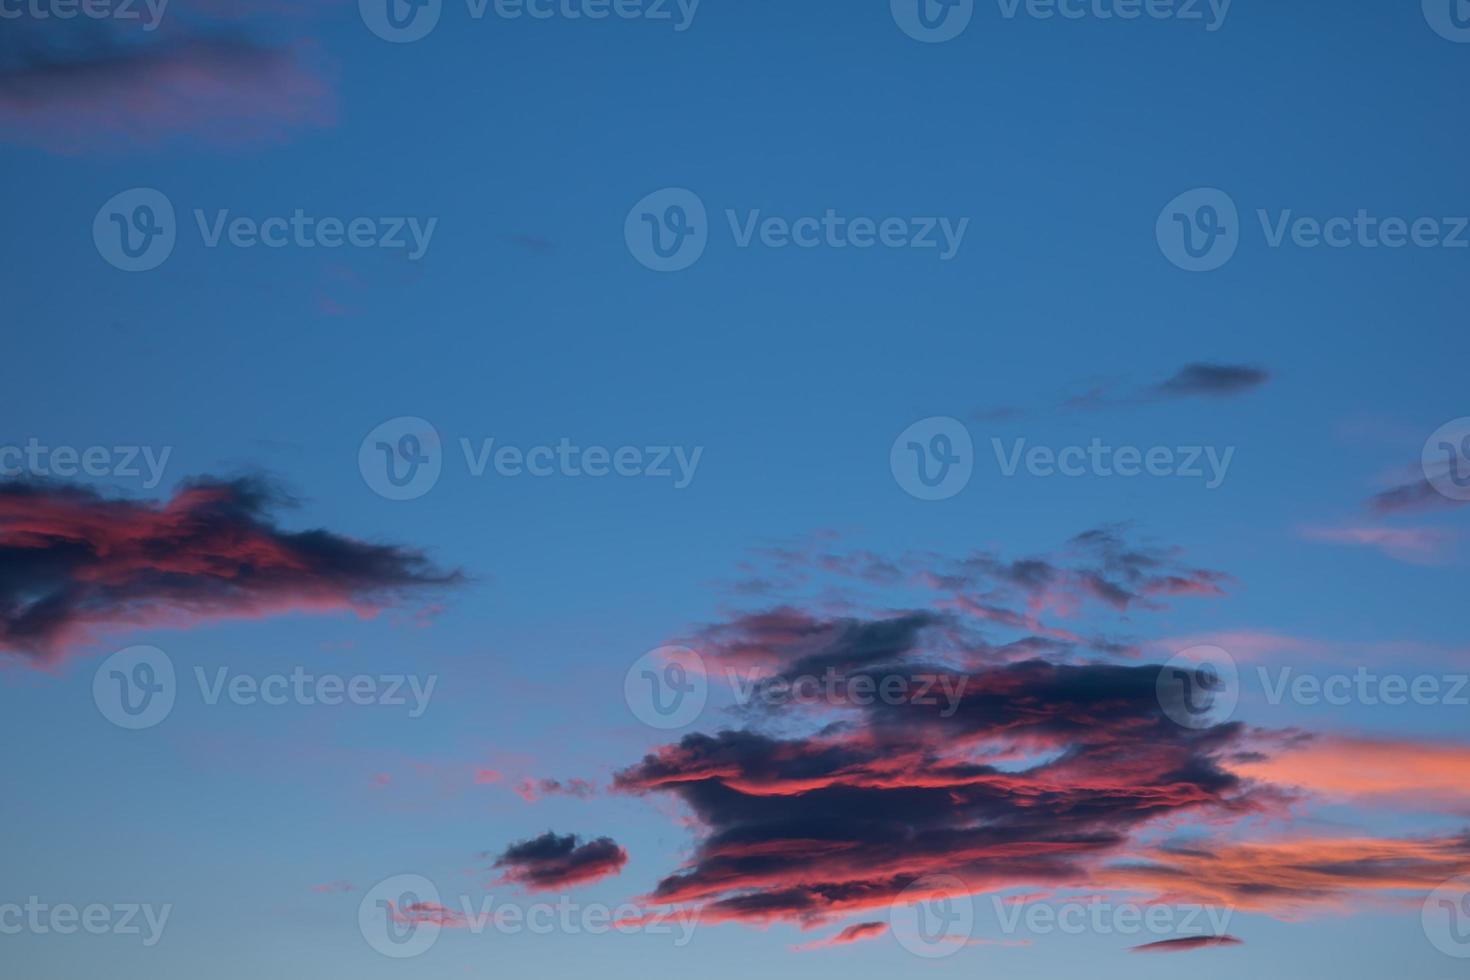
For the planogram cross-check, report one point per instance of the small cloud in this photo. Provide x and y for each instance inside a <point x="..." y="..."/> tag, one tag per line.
<point x="532" y="790"/>
<point x="1216" y="380"/>
<point x="1186" y="943"/>
<point x="553" y="861"/>
<point x="1414" y="496"/>
<point x="334" y="887"/>
<point x="852" y="934"/>
<point x="1415" y="545"/>
<point x="76" y="564"/>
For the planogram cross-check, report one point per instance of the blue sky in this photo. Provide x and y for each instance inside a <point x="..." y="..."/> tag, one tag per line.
<point x="528" y="320"/>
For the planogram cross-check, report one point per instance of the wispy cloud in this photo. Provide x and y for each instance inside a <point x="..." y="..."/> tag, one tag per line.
<point x="76" y="565"/>
<point x="76" y="88"/>
<point x="1186" y="943"/>
<point x="1415" y="545"/>
<point x="852" y="934"/>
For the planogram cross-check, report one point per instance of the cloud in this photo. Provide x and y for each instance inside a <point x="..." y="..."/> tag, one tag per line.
<point x="1215" y="380"/>
<point x="1042" y="771"/>
<point x="1047" y="768"/>
<point x="334" y="887"/>
<point x="1414" y="774"/>
<point x="1415" y="496"/>
<point x="551" y="862"/>
<point x="1199" y="379"/>
<point x="1186" y="943"/>
<point x="1415" y="545"/>
<point x="852" y="934"/>
<point x="532" y="790"/>
<point x="75" y="564"/>
<point x="69" y="88"/>
<point x="1100" y="567"/>
<point x="1292" y="877"/>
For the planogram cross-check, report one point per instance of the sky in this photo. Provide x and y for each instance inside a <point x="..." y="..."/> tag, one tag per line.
<point x="827" y="489"/>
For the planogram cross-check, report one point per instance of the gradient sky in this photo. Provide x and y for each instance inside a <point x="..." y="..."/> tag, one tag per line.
<point x="528" y="321"/>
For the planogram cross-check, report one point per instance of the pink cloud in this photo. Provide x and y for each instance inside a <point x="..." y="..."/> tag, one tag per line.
<point x="334" y="887"/>
<point x="852" y="934"/>
<point x="74" y="96"/>
<point x="1415" y="545"/>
